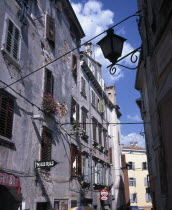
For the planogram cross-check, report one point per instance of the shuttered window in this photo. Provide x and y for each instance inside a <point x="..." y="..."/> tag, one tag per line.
<point x="12" y="40"/>
<point x="46" y="144"/>
<point x="49" y="82"/>
<point x="75" y="161"/>
<point x="74" y="65"/>
<point x="132" y="181"/>
<point x="50" y="28"/>
<point x="6" y="114"/>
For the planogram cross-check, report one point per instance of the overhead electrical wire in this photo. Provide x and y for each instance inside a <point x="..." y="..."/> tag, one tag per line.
<point x="135" y="14"/>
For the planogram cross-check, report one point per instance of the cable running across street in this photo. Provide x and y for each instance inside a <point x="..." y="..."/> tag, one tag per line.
<point x="135" y="14"/>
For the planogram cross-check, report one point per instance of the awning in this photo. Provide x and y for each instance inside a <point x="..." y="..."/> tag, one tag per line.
<point x="10" y="180"/>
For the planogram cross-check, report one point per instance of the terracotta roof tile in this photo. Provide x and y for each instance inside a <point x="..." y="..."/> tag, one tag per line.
<point x="133" y="146"/>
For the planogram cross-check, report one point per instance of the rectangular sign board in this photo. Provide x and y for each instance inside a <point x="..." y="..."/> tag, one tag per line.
<point x="45" y="164"/>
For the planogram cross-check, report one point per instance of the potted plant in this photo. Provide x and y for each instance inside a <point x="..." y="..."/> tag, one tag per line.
<point x="50" y="105"/>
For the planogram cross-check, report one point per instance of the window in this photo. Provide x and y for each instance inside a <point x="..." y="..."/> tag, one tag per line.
<point x="144" y="166"/>
<point x="61" y="204"/>
<point x="93" y="99"/>
<point x="145" y="181"/>
<point x="84" y="118"/>
<point x="97" y="103"/>
<point x="132" y="181"/>
<point x="131" y="166"/>
<point x="94" y="126"/>
<point x="74" y="111"/>
<point x="76" y="161"/>
<point x="49" y="82"/>
<point x="85" y="168"/>
<point x="50" y="28"/>
<point x="46" y="144"/>
<point x="133" y="198"/>
<point x="148" y="197"/>
<point x="73" y="203"/>
<point x="42" y="206"/>
<point x="83" y="89"/>
<point x="74" y="66"/>
<point x="100" y="134"/>
<point x="98" y="172"/>
<point x="12" y="39"/>
<point x="105" y="138"/>
<point x="6" y="114"/>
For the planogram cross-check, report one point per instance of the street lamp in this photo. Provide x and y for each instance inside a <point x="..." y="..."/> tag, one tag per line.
<point x="111" y="46"/>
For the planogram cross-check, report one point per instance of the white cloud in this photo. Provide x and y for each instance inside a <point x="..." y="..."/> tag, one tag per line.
<point x="93" y="18"/>
<point x="134" y="117"/>
<point x="133" y="137"/>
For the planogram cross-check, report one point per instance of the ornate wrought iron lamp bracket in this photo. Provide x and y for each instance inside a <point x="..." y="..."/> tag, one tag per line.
<point x="134" y="58"/>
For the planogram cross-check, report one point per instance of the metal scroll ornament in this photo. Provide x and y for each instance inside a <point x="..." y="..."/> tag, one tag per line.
<point x="133" y="58"/>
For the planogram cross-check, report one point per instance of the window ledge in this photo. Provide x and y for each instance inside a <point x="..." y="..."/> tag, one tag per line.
<point x="10" y="58"/>
<point x="6" y="140"/>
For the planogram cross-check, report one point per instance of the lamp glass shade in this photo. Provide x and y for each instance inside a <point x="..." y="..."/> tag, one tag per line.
<point x="111" y="46"/>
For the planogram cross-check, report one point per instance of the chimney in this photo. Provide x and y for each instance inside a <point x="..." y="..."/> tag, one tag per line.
<point x="88" y="50"/>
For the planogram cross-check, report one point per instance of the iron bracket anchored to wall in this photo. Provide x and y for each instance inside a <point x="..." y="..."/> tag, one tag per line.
<point x="134" y="58"/>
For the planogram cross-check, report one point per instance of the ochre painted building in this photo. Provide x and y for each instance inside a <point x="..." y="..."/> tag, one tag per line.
<point x="136" y="161"/>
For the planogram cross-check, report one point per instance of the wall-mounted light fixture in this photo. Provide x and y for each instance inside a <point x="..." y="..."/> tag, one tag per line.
<point x="111" y="46"/>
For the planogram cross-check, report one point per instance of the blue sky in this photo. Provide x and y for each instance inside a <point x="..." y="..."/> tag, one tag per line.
<point x="96" y="16"/>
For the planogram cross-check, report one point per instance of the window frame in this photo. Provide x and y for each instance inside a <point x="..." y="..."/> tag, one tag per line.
<point x="9" y="56"/>
<point x="144" y="166"/>
<point x="9" y="97"/>
<point x="132" y="181"/>
<point x="49" y="132"/>
<point x="75" y="155"/>
<point x="46" y="82"/>
<point x="131" y="165"/>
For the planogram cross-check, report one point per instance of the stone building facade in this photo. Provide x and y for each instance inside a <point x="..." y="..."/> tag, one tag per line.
<point x="60" y="113"/>
<point x="154" y="83"/>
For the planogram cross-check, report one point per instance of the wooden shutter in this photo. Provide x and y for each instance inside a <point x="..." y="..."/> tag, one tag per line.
<point x="9" y="36"/>
<point x="110" y="154"/>
<point x="16" y="43"/>
<point x="74" y="65"/>
<point x="79" y="162"/>
<point x="49" y="82"/>
<point x="134" y="181"/>
<point x="145" y="181"/>
<point x="133" y="165"/>
<point x="6" y="114"/>
<point x="46" y="145"/>
<point x="50" y="28"/>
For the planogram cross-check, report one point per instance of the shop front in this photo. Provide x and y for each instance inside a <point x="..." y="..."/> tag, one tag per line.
<point x="10" y="195"/>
